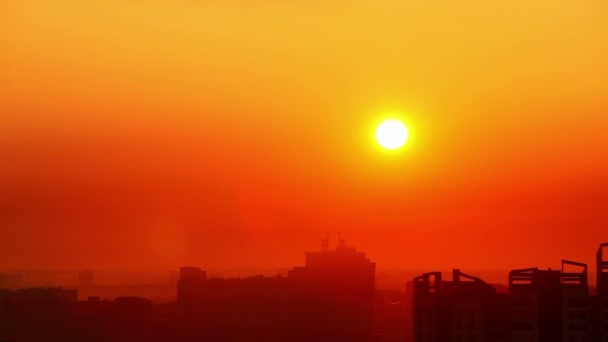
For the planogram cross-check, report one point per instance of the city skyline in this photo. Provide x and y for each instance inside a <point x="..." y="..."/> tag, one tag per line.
<point x="388" y="278"/>
<point x="334" y="295"/>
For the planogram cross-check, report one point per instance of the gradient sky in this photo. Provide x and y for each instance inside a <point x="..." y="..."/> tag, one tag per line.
<point x="233" y="133"/>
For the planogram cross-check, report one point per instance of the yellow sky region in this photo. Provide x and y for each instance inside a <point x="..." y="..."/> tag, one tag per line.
<point x="460" y="68"/>
<point x="349" y="58"/>
<point x="234" y="53"/>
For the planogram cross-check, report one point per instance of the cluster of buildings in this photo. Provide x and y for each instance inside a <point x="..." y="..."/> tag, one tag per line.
<point x="56" y="314"/>
<point x="331" y="298"/>
<point x="540" y="306"/>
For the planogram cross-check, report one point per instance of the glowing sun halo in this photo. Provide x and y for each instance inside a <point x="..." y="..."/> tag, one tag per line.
<point x="391" y="134"/>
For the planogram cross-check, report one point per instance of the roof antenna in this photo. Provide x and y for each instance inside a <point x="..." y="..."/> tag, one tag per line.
<point x="341" y="242"/>
<point x="325" y="243"/>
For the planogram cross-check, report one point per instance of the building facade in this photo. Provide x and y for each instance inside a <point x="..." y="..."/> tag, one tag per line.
<point x="463" y="309"/>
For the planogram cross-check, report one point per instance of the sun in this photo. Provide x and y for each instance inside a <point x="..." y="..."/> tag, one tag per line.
<point x="392" y="134"/>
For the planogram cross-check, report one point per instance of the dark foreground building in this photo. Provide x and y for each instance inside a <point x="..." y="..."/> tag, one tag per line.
<point x="541" y="306"/>
<point x="550" y="305"/>
<point x="599" y="308"/>
<point x="463" y="309"/>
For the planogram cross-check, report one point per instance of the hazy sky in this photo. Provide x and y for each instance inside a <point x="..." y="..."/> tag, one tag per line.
<point x="144" y="134"/>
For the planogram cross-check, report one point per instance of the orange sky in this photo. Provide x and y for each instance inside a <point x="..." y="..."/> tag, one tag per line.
<point x="143" y="134"/>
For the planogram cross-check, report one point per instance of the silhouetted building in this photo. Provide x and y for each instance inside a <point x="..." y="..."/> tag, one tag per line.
<point x="536" y="304"/>
<point x="132" y="318"/>
<point x="409" y="316"/>
<point x="544" y="306"/>
<point x="331" y="298"/>
<point x="550" y="305"/>
<point x="391" y="316"/>
<point x="37" y="314"/>
<point x="191" y="287"/>
<point x="346" y="279"/>
<point x="463" y="309"/>
<point x="575" y="303"/>
<point x="54" y="314"/>
<point x="601" y="302"/>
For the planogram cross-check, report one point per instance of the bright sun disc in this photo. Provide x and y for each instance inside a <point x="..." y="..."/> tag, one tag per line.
<point x="391" y="134"/>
